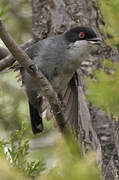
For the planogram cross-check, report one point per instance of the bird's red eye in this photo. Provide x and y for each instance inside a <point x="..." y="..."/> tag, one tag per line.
<point x="81" y="35"/>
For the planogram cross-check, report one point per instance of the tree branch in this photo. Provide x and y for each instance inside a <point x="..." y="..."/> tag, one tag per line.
<point x="32" y="69"/>
<point x="6" y="62"/>
<point x="9" y="59"/>
<point x="3" y="52"/>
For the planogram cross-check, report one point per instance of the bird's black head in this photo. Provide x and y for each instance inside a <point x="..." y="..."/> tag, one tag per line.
<point x="81" y="33"/>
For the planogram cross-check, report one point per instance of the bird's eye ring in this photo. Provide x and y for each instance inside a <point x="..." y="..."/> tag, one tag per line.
<point x="81" y="35"/>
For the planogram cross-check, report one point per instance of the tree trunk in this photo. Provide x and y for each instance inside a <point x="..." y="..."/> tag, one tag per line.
<point x="54" y="17"/>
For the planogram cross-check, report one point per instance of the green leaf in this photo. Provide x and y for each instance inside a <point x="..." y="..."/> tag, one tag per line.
<point x="4" y="9"/>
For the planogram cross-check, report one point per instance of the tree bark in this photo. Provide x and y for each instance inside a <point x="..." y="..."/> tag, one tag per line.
<point x="52" y="17"/>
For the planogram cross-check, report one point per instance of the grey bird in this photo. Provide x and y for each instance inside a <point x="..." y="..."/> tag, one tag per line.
<point x="58" y="58"/>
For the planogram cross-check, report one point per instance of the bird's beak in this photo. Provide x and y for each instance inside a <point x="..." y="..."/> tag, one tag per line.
<point x="95" y="40"/>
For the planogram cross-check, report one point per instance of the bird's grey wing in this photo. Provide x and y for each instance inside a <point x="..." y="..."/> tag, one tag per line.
<point x="32" y="52"/>
<point x="70" y="101"/>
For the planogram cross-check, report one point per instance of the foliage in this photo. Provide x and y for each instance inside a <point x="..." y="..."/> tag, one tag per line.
<point x="110" y="11"/>
<point x="17" y="15"/>
<point x="103" y="90"/>
<point x="4" y="8"/>
<point x="17" y="153"/>
<point x="69" y="166"/>
<point x="8" y="173"/>
<point x="13" y="106"/>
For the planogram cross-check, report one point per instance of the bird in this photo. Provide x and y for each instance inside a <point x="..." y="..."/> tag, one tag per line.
<point x="57" y="57"/>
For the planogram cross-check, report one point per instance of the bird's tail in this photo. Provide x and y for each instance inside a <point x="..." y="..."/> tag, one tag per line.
<point x="36" y="120"/>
